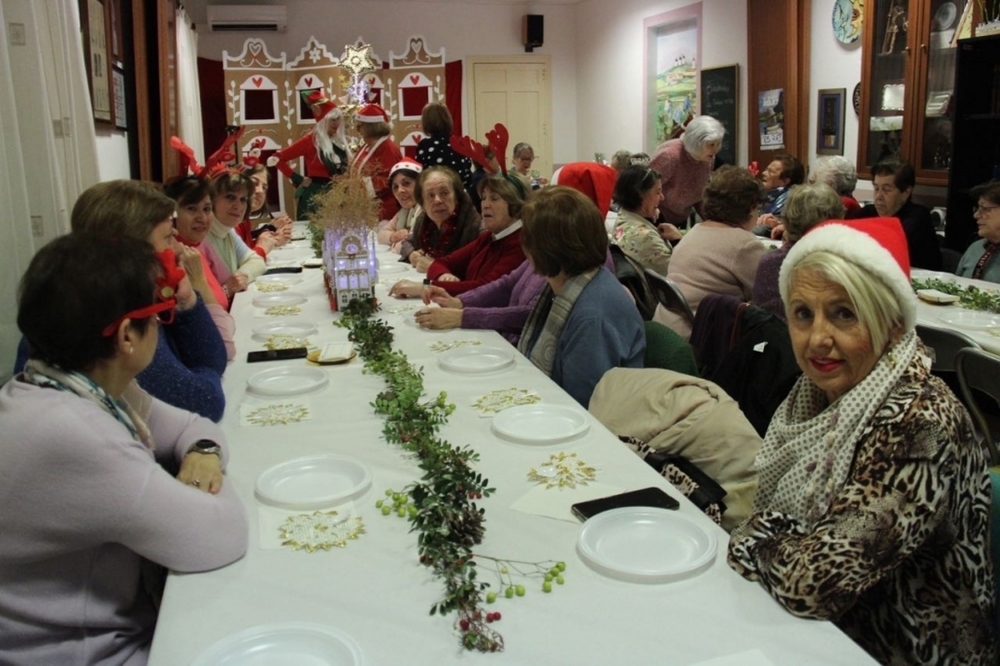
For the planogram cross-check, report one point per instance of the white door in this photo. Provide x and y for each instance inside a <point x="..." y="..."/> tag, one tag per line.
<point x="514" y="91"/>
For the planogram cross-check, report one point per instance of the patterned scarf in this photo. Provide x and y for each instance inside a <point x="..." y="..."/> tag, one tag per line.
<point x="437" y="242"/>
<point x="540" y="338"/>
<point x="809" y="446"/>
<point x="45" y="375"/>
<point x="989" y="249"/>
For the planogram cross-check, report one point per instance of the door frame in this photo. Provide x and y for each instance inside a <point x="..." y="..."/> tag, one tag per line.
<point x="468" y="100"/>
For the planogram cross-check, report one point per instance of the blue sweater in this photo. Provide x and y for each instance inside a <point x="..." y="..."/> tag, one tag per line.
<point x="186" y="370"/>
<point x="603" y="331"/>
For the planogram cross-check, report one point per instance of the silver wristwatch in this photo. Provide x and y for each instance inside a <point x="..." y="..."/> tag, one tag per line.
<point x="206" y="446"/>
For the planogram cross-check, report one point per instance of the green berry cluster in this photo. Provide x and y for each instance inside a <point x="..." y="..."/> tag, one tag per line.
<point x="550" y="572"/>
<point x="398" y="503"/>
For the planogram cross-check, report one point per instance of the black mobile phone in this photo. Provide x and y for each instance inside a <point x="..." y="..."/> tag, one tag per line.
<point x="651" y="496"/>
<point x="276" y="354"/>
<point x="283" y="269"/>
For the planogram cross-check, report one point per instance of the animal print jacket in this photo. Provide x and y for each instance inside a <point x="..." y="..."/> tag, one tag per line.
<point x="901" y="561"/>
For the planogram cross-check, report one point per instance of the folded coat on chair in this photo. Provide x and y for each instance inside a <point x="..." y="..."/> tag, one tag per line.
<point x="684" y="415"/>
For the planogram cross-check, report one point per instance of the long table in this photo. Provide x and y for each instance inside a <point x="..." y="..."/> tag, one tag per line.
<point x="375" y="591"/>
<point x="930" y="314"/>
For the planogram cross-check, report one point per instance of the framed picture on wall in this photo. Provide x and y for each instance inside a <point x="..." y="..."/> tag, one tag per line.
<point x="830" y="121"/>
<point x="673" y="56"/>
<point x="118" y="78"/>
<point x="95" y="45"/>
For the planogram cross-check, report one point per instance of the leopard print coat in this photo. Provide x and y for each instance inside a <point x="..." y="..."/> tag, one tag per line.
<point x="901" y="561"/>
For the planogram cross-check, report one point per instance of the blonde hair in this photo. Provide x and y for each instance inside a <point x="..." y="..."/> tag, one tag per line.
<point x="874" y="302"/>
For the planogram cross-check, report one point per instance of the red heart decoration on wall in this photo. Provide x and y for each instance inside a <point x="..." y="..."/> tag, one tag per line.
<point x="309" y="80"/>
<point x="414" y="79"/>
<point x="371" y="80"/>
<point x="257" y="80"/>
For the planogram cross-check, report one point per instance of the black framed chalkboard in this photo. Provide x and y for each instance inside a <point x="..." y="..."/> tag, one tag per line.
<point x="720" y="98"/>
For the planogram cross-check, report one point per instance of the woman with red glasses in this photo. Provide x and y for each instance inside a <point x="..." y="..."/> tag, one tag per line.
<point x="186" y="370"/>
<point x="102" y="485"/>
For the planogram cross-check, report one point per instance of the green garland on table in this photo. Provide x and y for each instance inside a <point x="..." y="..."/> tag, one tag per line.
<point x="447" y="520"/>
<point x="970" y="298"/>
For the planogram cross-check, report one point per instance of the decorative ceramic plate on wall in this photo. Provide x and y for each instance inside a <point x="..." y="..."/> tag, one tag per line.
<point x="847" y="20"/>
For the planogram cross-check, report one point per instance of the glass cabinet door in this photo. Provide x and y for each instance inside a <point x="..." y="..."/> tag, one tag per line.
<point x="887" y="82"/>
<point x="939" y="42"/>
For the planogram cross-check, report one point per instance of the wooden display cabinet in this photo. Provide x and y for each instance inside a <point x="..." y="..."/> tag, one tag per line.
<point x="976" y="151"/>
<point x="908" y="81"/>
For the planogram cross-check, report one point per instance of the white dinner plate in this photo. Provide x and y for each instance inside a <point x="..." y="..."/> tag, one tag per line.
<point x="312" y="262"/>
<point x="289" y="327"/>
<point x="391" y="268"/>
<point x="972" y="320"/>
<point x="937" y="297"/>
<point x="279" y="278"/>
<point x="288" y="644"/>
<point x="281" y="298"/>
<point x="287" y="380"/>
<point x="924" y="274"/>
<point x="314" y="482"/>
<point x="540" y="423"/>
<point x="476" y="359"/>
<point x="645" y="545"/>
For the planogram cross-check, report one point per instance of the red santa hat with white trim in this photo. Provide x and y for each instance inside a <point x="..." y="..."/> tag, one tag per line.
<point x="372" y="113"/>
<point x="876" y="244"/>
<point x="406" y="164"/>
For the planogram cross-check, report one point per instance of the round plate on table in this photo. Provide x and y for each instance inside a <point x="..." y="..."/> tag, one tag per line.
<point x="391" y="268"/>
<point x="292" y="644"/>
<point x="278" y="299"/>
<point x="279" y="278"/>
<point x="643" y="544"/>
<point x="476" y="359"/>
<point x="287" y="380"/>
<point x="313" y="482"/>
<point x="285" y="327"/>
<point x="971" y="320"/>
<point x="541" y="423"/>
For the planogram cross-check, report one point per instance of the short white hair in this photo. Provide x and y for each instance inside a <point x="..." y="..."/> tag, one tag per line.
<point x="836" y="171"/>
<point x="700" y="131"/>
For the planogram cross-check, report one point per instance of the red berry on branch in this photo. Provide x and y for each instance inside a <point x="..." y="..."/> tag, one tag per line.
<point x="496" y="616"/>
<point x="463" y="625"/>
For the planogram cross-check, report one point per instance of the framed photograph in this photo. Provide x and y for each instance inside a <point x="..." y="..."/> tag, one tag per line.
<point x="673" y="56"/>
<point x="118" y="77"/>
<point x="830" y="121"/>
<point x="95" y="45"/>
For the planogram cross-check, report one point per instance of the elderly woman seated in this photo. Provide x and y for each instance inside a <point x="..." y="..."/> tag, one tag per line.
<point x="584" y="323"/>
<point x="807" y="206"/>
<point x="873" y="503"/>
<point x="839" y="173"/>
<point x="496" y="252"/>
<point x="448" y="220"/>
<point x="638" y="195"/>
<point x="402" y="181"/>
<point x="231" y="193"/>
<point x="100" y="481"/>
<point x="685" y="165"/>
<point x="980" y="260"/>
<point x="720" y="255"/>
<point x="781" y="175"/>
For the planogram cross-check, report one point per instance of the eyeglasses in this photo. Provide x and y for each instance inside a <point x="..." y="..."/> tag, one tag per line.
<point x="985" y="210"/>
<point x="164" y="311"/>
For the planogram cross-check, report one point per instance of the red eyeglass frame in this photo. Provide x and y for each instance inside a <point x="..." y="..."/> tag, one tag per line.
<point x="164" y="311"/>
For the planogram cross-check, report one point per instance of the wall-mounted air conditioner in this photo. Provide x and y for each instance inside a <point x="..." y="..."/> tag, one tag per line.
<point x="255" y="18"/>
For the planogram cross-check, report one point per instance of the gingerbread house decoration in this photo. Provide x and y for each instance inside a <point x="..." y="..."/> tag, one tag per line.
<point x="414" y="79"/>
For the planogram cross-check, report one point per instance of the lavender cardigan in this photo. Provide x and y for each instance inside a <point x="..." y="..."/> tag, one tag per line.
<point x="504" y="304"/>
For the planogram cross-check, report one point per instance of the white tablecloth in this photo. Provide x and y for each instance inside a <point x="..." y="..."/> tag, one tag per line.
<point x="929" y="314"/>
<point x="375" y="590"/>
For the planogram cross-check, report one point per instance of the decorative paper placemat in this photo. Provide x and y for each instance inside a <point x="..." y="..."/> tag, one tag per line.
<point x="273" y="286"/>
<point x="563" y="470"/>
<point x="285" y="342"/>
<point x="442" y="346"/>
<point x="499" y="400"/>
<point x="278" y="311"/>
<point x="558" y="502"/>
<point x="308" y="531"/>
<point x="403" y="309"/>
<point x="274" y="413"/>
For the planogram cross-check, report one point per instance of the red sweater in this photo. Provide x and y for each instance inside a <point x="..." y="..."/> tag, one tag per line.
<point x="481" y="261"/>
<point x="243" y="230"/>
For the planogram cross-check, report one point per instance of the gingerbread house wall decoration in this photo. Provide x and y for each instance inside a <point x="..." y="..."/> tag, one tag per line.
<point x="415" y="78"/>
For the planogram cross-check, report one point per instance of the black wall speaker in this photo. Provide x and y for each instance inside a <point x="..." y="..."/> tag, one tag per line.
<point x="533" y="31"/>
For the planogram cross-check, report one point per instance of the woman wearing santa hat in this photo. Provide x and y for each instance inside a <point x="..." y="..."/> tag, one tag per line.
<point x="324" y="149"/>
<point x="402" y="182"/>
<point x="377" y="155"/>
<point x="873" y="504"/>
